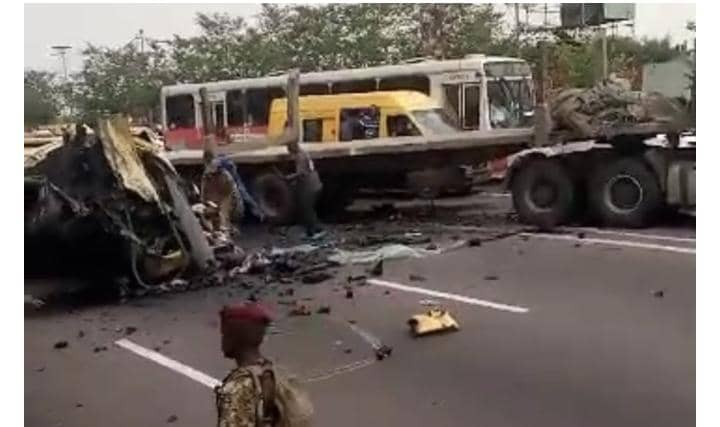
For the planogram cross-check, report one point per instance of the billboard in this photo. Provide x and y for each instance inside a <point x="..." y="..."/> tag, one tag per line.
<point x="573" y="15"/>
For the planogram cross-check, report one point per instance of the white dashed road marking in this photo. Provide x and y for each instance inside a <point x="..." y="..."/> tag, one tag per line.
<point x="612" y="242"/>
<point x="169" y="363"/>
<point x="448" y="296"/>
<point x="631" y="234"/>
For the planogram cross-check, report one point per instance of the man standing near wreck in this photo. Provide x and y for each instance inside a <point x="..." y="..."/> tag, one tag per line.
<point x="245" y="399"/>
<point x="307" y="189"/>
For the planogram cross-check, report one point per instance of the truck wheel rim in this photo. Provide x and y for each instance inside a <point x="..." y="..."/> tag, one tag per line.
<point x="624" y="193"/>
<point x="543" y="195"/>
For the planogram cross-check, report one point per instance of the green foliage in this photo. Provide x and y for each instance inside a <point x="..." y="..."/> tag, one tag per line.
<point x="122" y="80"/>
<point x="40" y="98"/>
<point x="319" y="37"/>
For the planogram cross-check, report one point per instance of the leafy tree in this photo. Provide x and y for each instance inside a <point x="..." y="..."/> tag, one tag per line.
<point x="122" y="80"/>
<point x="41" y="99"/>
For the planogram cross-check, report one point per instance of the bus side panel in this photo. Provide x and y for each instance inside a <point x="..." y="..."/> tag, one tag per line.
<point x="330" y="129"/>
<point x="184" y="138"/>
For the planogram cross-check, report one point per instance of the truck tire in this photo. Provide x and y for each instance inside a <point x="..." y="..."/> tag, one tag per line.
<point x="275" y="197"/>
<point x="543" y="193"/>
<point x="624" y="193"/>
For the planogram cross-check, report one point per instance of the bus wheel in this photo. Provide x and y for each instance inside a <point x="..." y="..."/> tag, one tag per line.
<point x="543" y="193"/>
<point x="275" y="197"/>
<point x="624" y="193"/>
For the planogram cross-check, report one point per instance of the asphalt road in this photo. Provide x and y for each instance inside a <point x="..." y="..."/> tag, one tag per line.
<point x="590" y="329"/>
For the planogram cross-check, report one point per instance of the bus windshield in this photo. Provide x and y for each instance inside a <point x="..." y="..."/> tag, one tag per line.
<point x="511" y="103"/>
<point x="436" y="121"/>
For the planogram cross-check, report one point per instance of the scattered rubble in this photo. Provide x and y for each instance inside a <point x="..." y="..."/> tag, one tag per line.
<point x="382" y="352"/>
<point x="60" y="344"/>
<point x="377" y="269"/>
<point x="474" y="242"/>
<point x="301" y="310"/>
<point x="317" y="277"/>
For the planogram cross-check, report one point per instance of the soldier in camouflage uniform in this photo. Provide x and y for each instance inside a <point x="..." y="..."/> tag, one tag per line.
<point x="240" y="402"/>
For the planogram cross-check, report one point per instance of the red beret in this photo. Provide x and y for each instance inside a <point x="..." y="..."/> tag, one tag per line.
<point x="252" y="312"/>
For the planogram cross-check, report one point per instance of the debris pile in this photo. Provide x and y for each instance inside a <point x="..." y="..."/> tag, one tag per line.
<point x="610" y="104"/>
<point x="105" y="202"/>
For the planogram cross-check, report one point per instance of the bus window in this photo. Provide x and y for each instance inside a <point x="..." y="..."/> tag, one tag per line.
<point x="412" y="82"/>
<point x="180" y="111"/>
<point x="236" y="107"/>
<point x="359" y="123"/>
<point x="312" y="130"/>
<point x="400" y="125"/>
<point x="258" y="104"/>
<point x="452" y="100"/>
<point x="355" y="86"/>
<point x="219" y="118"/>
<point x="471" y="106"/>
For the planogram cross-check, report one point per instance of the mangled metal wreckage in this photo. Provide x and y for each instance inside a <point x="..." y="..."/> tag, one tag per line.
<point x="103" y="202"/>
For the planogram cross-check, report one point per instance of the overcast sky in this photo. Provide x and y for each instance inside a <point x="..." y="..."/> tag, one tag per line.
<point x="116" y="24"/>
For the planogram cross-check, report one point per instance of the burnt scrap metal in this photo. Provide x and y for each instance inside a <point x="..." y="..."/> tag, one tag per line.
<point x="104" y="202"/>
<point x="609" y="104"/>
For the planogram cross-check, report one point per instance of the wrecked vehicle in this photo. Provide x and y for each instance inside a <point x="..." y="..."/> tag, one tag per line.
<point x="105" y="203"/>
<point x="610" y="172"/>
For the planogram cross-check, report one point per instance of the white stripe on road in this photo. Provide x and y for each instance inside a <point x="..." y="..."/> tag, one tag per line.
<point x="341" y="370"/>
<point x="449" y="296"/>
<point x="631" y="234"/>
<point x="626" y="243"/>
<point x="211" y="382"/>
<point x="569" y="237"/>
<point x="369" y="338"/>
<point x="169" y="363"/>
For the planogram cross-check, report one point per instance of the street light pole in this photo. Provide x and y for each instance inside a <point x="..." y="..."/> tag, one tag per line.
<point x="61" y="52"/>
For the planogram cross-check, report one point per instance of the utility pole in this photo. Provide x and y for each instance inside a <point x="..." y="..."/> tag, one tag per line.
<point x="61" y="52"/>
<point x="517" y="27"/>
<point x="603" y="34"/>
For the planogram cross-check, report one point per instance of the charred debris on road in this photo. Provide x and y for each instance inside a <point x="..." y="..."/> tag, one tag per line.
<point x="106" y="204"/>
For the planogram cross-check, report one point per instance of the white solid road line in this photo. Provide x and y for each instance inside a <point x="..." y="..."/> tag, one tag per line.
<point x="354" y="366"/>
<point x="169" y="363"/>
<point x="610" y="242"/>
<point x="449" y="296"/>
<point x="211" y="382"/>
<point x="631" y="234"/>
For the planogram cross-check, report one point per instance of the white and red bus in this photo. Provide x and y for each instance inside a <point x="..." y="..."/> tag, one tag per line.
<point x="481" y="92"/>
